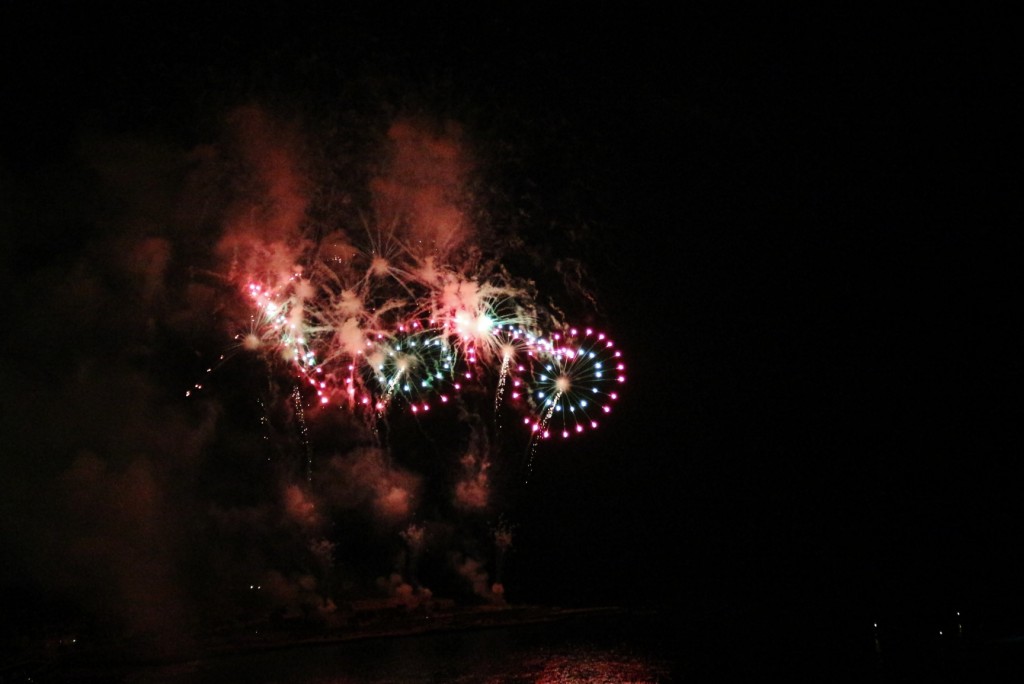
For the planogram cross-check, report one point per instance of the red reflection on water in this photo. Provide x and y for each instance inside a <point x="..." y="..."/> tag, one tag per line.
<point x="601" y="668"/>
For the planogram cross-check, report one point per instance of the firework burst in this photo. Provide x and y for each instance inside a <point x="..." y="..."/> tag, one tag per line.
<point x="402" y="309"/>
<point x="575" y="381"/>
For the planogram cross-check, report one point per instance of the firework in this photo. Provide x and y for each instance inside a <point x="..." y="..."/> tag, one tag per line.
<point x="338" y="342"/>
<point x="402" y="309"/>
<point x="575" y="380"/>
<point x="414" y="364"/>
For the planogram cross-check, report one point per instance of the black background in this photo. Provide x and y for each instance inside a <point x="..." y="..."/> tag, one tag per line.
<point x="802" y="235"/>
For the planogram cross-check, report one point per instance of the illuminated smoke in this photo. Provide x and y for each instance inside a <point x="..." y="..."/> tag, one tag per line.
<point x="208" y="366"/>
<point x="472" y="571"/>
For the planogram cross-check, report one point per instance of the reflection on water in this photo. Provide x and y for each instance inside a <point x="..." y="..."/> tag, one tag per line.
<point x="612" y="649"/>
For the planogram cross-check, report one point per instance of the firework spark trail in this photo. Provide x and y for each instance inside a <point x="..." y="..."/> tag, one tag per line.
<point x="502" y="376"/>
<point x="539" y="430"/>
<point x="515" y="345"/>
<point x="541" y="427"/>
<point x="297" y="399"/>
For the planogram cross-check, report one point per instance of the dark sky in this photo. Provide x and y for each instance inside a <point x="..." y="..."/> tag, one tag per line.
<point x="797" y="227"/>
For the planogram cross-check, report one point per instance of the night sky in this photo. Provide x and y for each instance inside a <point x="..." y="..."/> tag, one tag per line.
<point x="796" y="226"/>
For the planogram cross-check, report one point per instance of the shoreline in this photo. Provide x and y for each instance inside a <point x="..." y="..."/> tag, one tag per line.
<point x="416" y="624"/>
<point x="123" y="657"/>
